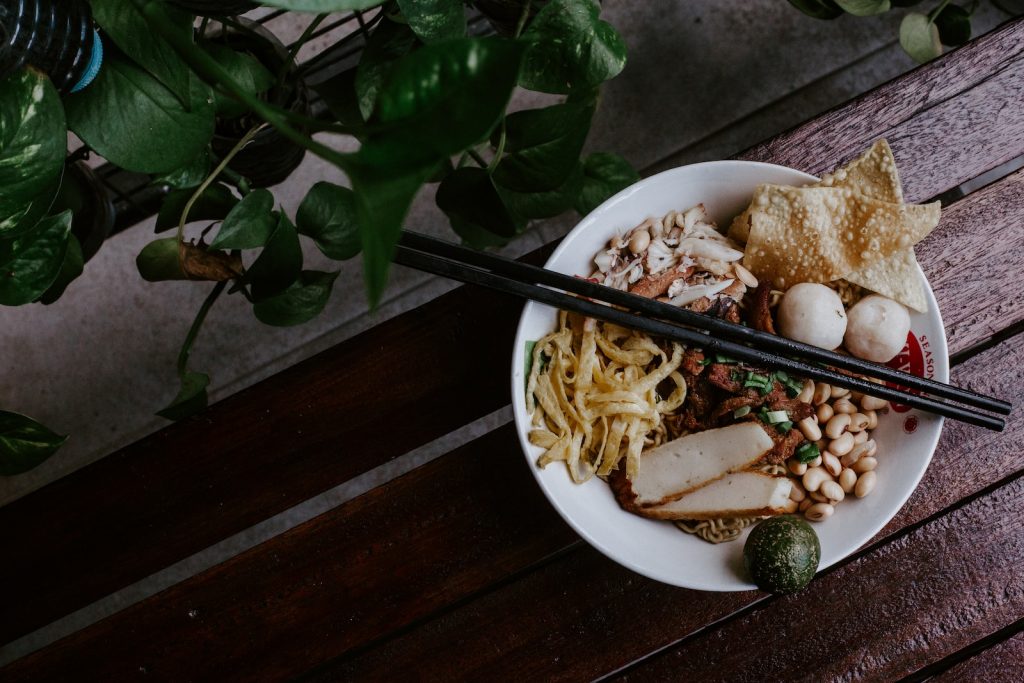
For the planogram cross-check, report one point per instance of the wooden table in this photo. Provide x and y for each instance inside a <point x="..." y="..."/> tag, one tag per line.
<point x="461" y="569"/>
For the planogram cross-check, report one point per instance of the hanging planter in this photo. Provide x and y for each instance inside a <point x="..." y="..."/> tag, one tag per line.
<point x="56" y="38"/>
<point x="270" y="157"/>
<point x="83" y="193"/>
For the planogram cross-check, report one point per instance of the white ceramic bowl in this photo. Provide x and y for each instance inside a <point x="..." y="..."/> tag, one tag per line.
<point x="906" y="439"/>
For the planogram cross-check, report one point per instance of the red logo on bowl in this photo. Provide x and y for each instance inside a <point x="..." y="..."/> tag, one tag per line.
<point x="915" y="358"/>
<point x="910" y="424"/>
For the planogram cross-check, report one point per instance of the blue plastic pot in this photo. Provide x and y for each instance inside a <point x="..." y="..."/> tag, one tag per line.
<point x="55" y="36"/>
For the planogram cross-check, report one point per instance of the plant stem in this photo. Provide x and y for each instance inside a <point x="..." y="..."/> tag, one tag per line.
<point x="193" y="332"/>
<point x="297" y="45"/>
<point x="213" y="176"/>
<point x="238" y="180"/>
<point x="500" y="149"/>
<point x="476" y="157"/>
<point x="208" y="68"/>
<point x="937" y="11"/>
<point x="522" y="18"/>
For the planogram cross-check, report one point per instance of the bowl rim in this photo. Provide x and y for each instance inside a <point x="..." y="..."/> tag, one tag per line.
<point x="939" y="350"/>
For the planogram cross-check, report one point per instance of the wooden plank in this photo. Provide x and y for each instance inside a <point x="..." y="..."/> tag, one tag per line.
<point x="1002" y="663"/>
<point x="254" y="454"/>
<point x="974" y="260"/>
<point x="515" y="632"/>
<point x="883" y="616"/>
<point x="843" y="132"/>
<point x="440" y="536"/>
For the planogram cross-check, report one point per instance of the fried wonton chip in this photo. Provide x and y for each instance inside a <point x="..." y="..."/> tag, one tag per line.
<point x="895" y="277"/>
<point x="820" y="234"/>
<point x="872" y="173"/>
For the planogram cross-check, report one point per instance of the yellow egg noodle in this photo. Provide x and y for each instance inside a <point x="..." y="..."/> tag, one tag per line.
<point x="592" y="392"/>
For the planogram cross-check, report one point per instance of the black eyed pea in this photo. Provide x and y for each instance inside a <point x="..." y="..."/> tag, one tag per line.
<point x="861" y="437"/>
<point x="831" y="464"/>
<point x="832" y="491"/>
<point x="822" y="392"/>
<point x="872" y="418"/>
<point x="873" y="403"/>
<point x="818" y="496"/>
<point x="791" y="506"/>
<point x="817" y="461"/>
<point x="865" y="484"/>
<point x="844" y="405"/>
<point x="819" y="512"/>
<point x="856" y="396"/>
<point x="865" y="464"/>
<point x="847" y="480"/>
<point x="841" y="446"/>
<point x="804" y="504"/>
<point x="856" y="453"/>
<point x="639" y="242"/>
<point x="796" y="492"/>
<point x="807" y="392"/>
<point x="814" y="478"/>
<point x="796" y="467"/>
<point x="824" y="413"/>
<point x="858" y="422"/>
<point x="839" y="392"/>
<point x="836" y="426"/>
<point x="810" y="429"/>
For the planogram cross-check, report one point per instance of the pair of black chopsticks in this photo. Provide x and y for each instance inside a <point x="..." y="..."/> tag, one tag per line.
<point x="710" y="334"/>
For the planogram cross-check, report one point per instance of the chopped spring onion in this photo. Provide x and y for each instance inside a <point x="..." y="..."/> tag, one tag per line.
<point x="784" y="427"/>
<point x="777" y="416"/>
<point x="722" y="358"/>
<point x="781" y="375"/>
<point x="807" y="452"/>
<point x="741" y="411"/>
<point x="705" y="361"/>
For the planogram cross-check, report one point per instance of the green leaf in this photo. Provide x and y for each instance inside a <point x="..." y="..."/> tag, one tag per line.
<point x="190" y="175"/>
<point x="160" y="260"/>
<point x="328" y="215"/>
<point x="388" y="42"/>
<point x="382" y="196"/>
<point x="33" y="261"/>
<point x="434" y="20"/>
<point x="604" y="174"/>
<point x="71" y="268"/>
<point x="133" y="121"/>
<point x="919" y="38"/>
<point x="864" y="8"/>
<point x="126" y="26"/>
<point x="571" y="48"/>
<point x="548" y="203"/>
<point x="442" y="99"/>
<point x="819" y="9"/>
<point x="191" y="397"/>
<point x="954" y="24"/>
<point x="321" y="6"/>
<point x="468" y="195"/>
<point x="246" y="71"/>
<point x="24" y="443"/>
<point x="339" y="94"/>
<point x="213" y="204"/>
<point x="279" y="264"/>
<point x="33" y="143"/>
<point x="301" y="302"/>
<point x="249" y="224"/>
<point x="543" y="146"/>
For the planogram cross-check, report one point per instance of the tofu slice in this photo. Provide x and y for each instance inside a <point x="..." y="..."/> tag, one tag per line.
<point x="741" y="494"/>
<point x="685" y="464"/>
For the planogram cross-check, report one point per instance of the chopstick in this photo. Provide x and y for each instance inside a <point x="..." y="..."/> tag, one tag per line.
<point x="455" y="269"/>
<point x="717" y="326"/>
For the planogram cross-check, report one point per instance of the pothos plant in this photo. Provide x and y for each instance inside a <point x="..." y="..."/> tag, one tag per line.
<point x="427" y="105"/>
<point x="922" y="35"/>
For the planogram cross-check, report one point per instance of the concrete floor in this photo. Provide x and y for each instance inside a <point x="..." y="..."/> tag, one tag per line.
<point x="703" y="80"/>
